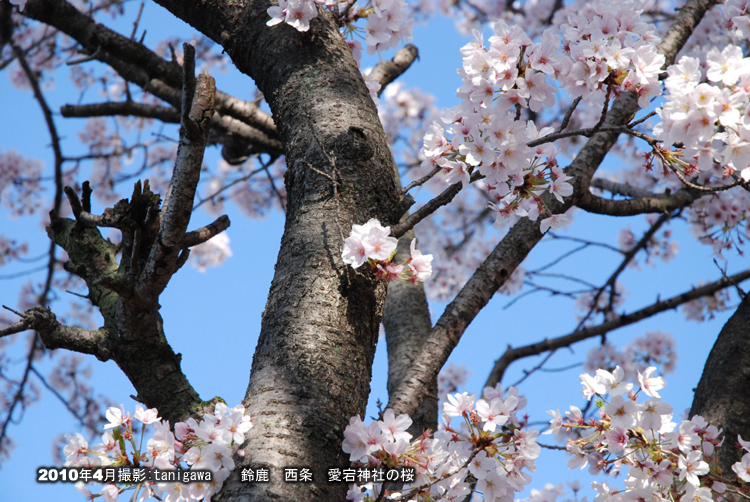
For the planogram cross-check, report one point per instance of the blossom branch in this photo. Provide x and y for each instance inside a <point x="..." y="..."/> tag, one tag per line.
<point x="525" y="234"/>
<point x="693" y="186"/>
<point x="512" y="355"/>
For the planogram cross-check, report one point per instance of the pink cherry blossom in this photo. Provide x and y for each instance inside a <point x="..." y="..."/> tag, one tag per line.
<point x="651" y="385"/>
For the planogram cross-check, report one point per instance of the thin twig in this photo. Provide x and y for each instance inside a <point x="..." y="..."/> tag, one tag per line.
<point x="603" y="117"/>
<point x="421" y="181"/>
<point x="568" y="115"/>
<point x="641" y="244"/>
<point x="14" y="311"/>
<point x="86" y="59"/>
<point x="137" y="20"/>
<point x="528" y="373"/>
<point x="641" y="120"/>
<point x="514" y="354"/>
<point x="563" y="276"/>
<point x="230" y="185"/>
<point x="584" y="241"/>
<point x="23" y="273"/>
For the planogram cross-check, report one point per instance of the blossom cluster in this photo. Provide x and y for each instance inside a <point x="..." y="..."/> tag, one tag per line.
<point x="706" y="119"/>
<point x="488" y="137"/>
<point x="611" y="45"/>
<point x="484" y="444"/>
<point x="372" y="243"/>
<point x="295" y="13"/>
<point x="711" y="120"/>
<point x="206" y="445"/>
<point x="717" y="219"/>
<point x="664" y="460"/>
<point x="21" y="198"/>
<point x="405" y="114"/>
<point x="606" y="49"/>
<point x="211" y="253"/>
<point x="388" y="22"/>
<point x="742" y="468"/>
<point x="655" y="348"/>
<point x="737" y="12"/>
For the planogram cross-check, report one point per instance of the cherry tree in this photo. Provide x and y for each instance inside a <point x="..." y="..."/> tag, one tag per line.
<point x="362" y="166"/>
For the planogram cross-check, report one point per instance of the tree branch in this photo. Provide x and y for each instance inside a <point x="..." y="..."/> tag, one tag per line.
<point x="151" y="251"/>
<point x="197" y="110"/>
<point x="433" y="205"/>
<point x="386" y="72"/>
<point x="621" y="188"/>
<point x="629" y="254"/>
<point x="525" y="234"/>
<point x="55" y="335"/>
<point x="203" y="234"/>
<point x="131" y="108"/>
<point x="137" y="64"/>
<point x="511" y="355"/>
<point x="43" y="298"/>
<point x="639" y="205"/>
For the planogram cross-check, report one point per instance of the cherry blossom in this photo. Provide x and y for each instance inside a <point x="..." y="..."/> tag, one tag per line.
<point x="296" y="13"/>
<point x="208" y="444"/>
<point x="638" y="439"/>
<point x="649" y="384"/>
<point x="444" y="459"/>
<point x="372" y="243"/>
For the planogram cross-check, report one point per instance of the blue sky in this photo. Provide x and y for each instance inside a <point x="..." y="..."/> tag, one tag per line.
<point x="213" y="319"/>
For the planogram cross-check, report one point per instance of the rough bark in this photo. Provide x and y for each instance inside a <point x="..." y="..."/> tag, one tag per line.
<point x="154" y="246"/>
<point x="312" y="365"/>
<point x="722" y="393"/>
<point x="134" y="330"/>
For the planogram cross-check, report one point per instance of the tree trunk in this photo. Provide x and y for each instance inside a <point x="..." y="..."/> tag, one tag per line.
<point x="722" y="393"/>
<point x="407" y="325"/>
<point x="313" y="363"/>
